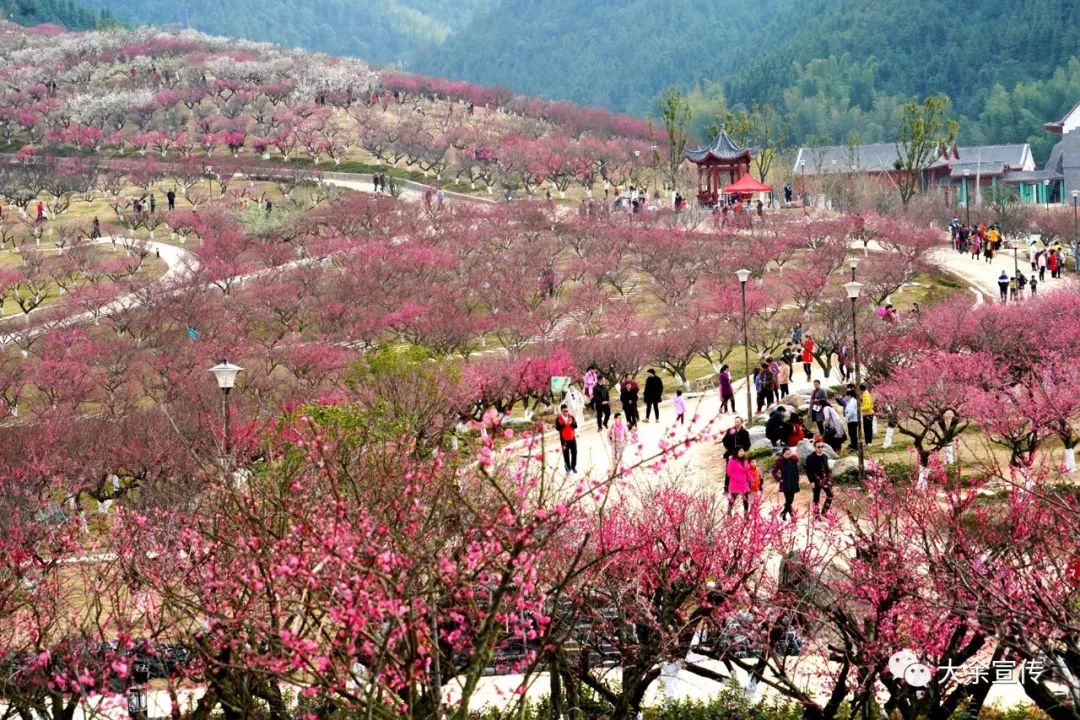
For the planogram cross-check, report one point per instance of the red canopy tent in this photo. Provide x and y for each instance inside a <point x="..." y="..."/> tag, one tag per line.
<point x="746" y="185"/>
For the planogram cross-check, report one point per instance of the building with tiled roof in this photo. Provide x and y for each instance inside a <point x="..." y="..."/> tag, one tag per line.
<point x="962" y="170"/>
<point x="1063" y="166"/>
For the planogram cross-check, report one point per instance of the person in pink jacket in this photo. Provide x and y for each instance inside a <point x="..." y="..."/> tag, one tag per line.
<point x="739" y="478"/>
<point x="589" y="381"/>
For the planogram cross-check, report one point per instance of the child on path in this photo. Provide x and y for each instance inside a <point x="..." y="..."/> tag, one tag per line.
<point x="680" y="407"/>
<point x="755" y="480"/>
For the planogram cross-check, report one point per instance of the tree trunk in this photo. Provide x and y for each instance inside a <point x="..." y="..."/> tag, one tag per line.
<point x="1048" y="703"/>
<point x="556" y="689"/>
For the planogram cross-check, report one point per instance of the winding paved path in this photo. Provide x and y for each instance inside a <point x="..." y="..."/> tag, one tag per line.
<point x="179" y="262"/>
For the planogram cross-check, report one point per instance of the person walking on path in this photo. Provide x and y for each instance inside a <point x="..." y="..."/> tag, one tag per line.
<point x="628" y="396"/>
<point x="785" y="471"/>
<point x="567" y="427"/>
<point x="788" y="357"/>
<point x="851" y="417"/>
<point x="843" y="359"/>
<point x="768" y="381"/>
<point x="95" y="229"/>
<point x="807" y="357"/>
<point x="153" y="204"/>
<point x="618" y="435"/>
<point x="589" y="381"/>
<point x="820" y="476"/>
<point x="727" y="393"/>
<point x="866" y="408"/>
<point x="759" y="398"/>
<point x="680" y="407"/>
<point x="783" y="379"/>
<point x="735" y="438"/>
<point x="170" y="198"/>
<point x="738" y="480"/>
<point x="601" y="403"/>
<point x="819" y="400"/>
<point x="834" y="428"/>
<point x="1003" y="286"/>
<point x="654" y="392"/>
<point x="1040" y="261"/>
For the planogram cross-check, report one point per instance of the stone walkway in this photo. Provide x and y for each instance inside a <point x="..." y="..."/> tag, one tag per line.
<point x="982" y="276"/>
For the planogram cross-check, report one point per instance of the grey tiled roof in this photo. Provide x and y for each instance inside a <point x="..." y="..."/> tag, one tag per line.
<point x="1015" y="176"/>
<point x="1010" y="155"/>
<point x="976" y="169"/>
<point x="882" y="157"/>
<point x="828" y="159"/>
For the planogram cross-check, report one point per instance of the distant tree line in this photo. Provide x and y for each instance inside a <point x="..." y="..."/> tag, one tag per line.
<point x="61" y="12"/>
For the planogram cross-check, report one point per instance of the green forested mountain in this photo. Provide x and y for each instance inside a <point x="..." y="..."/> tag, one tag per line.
<point x="836" y="68"/>
<point x="382" y="31"/>
<point x="616" y="53"/>
<point x="60" y="12"/>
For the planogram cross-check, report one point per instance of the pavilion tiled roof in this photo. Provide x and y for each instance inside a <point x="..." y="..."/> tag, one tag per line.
<point x="721" y="148"/>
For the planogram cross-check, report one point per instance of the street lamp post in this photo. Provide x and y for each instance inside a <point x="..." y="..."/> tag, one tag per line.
<point x="1076" y="238"/>
<point x="1046" y="194"/>
<point x="802" y="170"/>
<point x="1016" y="264"/>
<point x="967" y="197"/>
<point x="853" y="289"/>
<point x="743" y="276"/>
<point x="136" y="703"/>
<point x="225" y="373"/>
<point x="853" y="262"/>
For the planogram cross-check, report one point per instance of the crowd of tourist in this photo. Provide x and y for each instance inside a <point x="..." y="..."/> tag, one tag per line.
<point x="786" y="429"/>
<point x="986" y="241"/>
<point x="827" y="423"/>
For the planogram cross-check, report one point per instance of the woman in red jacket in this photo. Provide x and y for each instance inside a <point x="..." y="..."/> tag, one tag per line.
<point x="807" y="357"/>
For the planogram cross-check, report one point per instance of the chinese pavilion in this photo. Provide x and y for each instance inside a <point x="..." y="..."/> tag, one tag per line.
<point x="721" y="163"/>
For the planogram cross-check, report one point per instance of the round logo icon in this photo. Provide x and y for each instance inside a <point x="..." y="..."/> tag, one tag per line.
<point x="917" y="675"/>
<point x="900" y="661"/>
